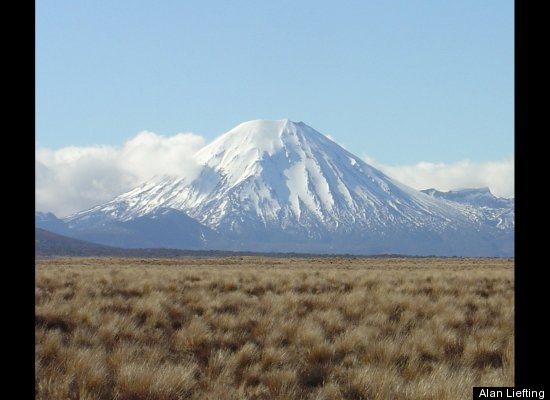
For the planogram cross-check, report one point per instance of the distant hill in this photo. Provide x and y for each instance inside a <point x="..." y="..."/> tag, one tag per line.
<point x="480" y="197"/>
<point x="50" y="244"/>
<point x="48" y="221"/>
<point x="53" y="244"/>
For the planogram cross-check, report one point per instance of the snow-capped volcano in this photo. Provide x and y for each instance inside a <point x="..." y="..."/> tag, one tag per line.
<point x="283" y="186"/>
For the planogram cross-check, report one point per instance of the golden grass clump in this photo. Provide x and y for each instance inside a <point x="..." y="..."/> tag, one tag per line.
<point x="269" y="328"/>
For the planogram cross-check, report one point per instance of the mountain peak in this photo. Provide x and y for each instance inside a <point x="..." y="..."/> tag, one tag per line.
<point x="251" y="140"/>
<point x="262" y="134"/>
<point x="261" y="145"/>
<point x="250" y="136"/>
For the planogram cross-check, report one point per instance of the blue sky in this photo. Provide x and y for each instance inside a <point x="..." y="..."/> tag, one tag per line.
<point x="423" y="90"/>
<point x="403" y="81"/>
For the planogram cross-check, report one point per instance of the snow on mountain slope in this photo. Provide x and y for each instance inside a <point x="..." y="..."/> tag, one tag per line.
<point x="499" y="210"/>
<point x="283" y="184"/>
<point x="481" y="197"/>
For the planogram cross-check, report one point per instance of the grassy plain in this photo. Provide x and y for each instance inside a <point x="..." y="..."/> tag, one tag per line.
<point x="269" y="328"/>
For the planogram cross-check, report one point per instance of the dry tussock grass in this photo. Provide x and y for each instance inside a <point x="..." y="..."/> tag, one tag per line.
<point x="264" y="328"/>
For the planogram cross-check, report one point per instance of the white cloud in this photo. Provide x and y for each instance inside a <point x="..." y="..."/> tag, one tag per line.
<point x="497" y="175"/>
<point x="74" y="178"/>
